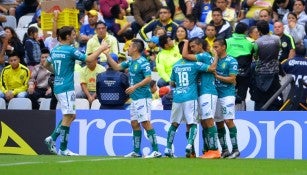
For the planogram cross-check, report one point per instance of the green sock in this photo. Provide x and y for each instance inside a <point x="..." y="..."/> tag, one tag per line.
<point x="137" y="136"/>
<point x="151" y="134"/>
<point x="222" y="138"/>
<point x="64" y="137"/>
<point x="192" y="135"/>
<point x="233" y="137"/>
<point x="170" y="136"/>
<point x="205" y="139"/>
<point x="187" y="136"/>
<point x="55" y="134"/>
<point x="212" y="138"/>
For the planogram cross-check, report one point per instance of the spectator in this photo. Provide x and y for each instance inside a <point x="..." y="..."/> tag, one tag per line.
<point x="151" y="51"/>
<point x="14" y="79"/>
<point x="164" y="21"/>
<point x="121" y="22"/>
<point x="222" y="27"/>
<point x="92" y="5"/>
<point x="297" y="68"/>
<point x="288" y="47"/>
<point x="38" y="83"/>
<point x="201" y="10"/>
<point x="253" y="8"/>
<point x="296" y="30"/>
<point x="265" y="76"/>
<point x="144" y="11"/>
<point x="166" y="58"/>
<point x="242" y="50"/>
<point x="27" y="6"/>
<point x="3" y="46"/>
<point x="189" y="23"/>
<point x="128" y="37"/>
<point x="88" y="79"/>
<point x="299" y="10"/>
<point x="179" y="9"/>
<point x="229" y="14"/>
<point x="280" y="8"/>
<point x="210" y="36"/>
<point x="105" y="8"/>
<point x="266" y="14"/>
<point x="14" y="44"/>
<point x="32" y="47"/>
<point x="181" y="34"/>
<point x="88" y="30"/>
<point x="253" y="34"/>
<point x="159" y="31"/>
<point x="154" y="90"/>
<point x="8" y="7"/>
<point x="102" y="35"/>
<point x="111" y="86"/>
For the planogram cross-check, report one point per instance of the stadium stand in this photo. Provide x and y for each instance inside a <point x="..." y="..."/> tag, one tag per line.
<point x="20" y="103"/>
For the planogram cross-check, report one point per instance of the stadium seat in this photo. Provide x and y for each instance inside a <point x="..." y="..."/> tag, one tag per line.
<point x="10" y="22"/>
<point x="82" y="103"/>
<point x="45" y="104"/>
<point x="24" y="21"/>
<point x="21" y="32"/>
<point x="20" y="103"/>
<point x="95" y="104"/>
<point x="2" y="103"/>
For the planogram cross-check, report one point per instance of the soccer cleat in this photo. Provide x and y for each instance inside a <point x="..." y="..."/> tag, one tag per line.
<point x="51" y="145"/>
<point x="133" y="155"/>
<point x="67" y="152"/>
<point x="154" y="154"/>
<point x="225" y="153"/>
<point x="192" y="155"/>
<point x="234" y="154"/>
<point x="188" y="151"/>
<point x="211" y="154"/>
<point x="168" y="152"/>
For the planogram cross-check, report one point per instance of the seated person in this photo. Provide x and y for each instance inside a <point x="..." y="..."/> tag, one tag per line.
<point x="88" y="79"/>
<point x="152" y="51"/>
<point x="14" y="79"/>
<point x="121" y="23"/>
<point x="38" y="83"/>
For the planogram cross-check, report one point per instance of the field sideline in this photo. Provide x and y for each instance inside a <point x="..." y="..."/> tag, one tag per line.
<point x="49" y="165"/>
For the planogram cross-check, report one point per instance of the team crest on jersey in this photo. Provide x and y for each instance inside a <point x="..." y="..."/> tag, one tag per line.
<point x="284" y="44"/>
<point x="135" y="67"/>
<point x="169" y="29"/>
<point x="223" y="65"/>
<point x="21" y="77"/>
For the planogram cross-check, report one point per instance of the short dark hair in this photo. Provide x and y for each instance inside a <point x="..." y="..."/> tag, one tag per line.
<point x="199" y="41"/>
<point x="88" y="5"/>
<point x="241" y="28"/>
<point x="64" y="31"/>
<point x="115" y="11"/>
<point x="129" y="34"/>
<point x="152" y="83"/>
<point x="300" y="50"/>
<point x="100" y="22"/>
<point x="45" y="50"/>
<point x="163" y="40"/>
<point x="216" y="9"/>
<point x="32" y="30"/>
<point x="221" y="41"/>
<point x="139" y="44"/>
<point x="263" y="27"/>
<point x="191" y="18"/>
<point x="13" y="54"/>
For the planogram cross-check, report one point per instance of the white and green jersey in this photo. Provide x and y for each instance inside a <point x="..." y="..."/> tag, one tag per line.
<point x="225" y="67"/>
<point x="63" y="59"/>
<point x="139" y="69"/>
<point x="207" y="79"/>
<point x="184" y="75"/>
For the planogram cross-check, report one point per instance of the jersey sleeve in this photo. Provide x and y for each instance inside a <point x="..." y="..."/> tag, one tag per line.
<point x="233" y="67"/>
<point x="77" y="55"/>
<point x="146" y="69"/>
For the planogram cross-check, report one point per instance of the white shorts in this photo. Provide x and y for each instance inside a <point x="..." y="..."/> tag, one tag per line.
<point x="225" y="108"/>
<point x="140" y="110"/>
<point x="67" y="102"/>
<point x="207" y="106"/>
<point x="186" y="111"/>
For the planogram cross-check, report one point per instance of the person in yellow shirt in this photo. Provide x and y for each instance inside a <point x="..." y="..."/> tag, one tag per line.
<point x="88" y="79"/>
<point x="14" y="79"/>
<point x="121" y="22"/>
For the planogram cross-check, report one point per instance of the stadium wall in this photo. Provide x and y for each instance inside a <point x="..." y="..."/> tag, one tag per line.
<point x="274" y="135"/>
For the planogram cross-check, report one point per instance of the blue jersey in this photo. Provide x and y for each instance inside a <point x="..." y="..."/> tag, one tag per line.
<point x="225" y="67"/>
<point x="184" y="75"/>
<point x="207" y="82"/>
<point x="139" y="69"/>
<point x="63" y="59"/>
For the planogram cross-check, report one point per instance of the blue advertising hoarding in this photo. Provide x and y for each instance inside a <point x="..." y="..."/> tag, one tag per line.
<point x="277" y="135"/>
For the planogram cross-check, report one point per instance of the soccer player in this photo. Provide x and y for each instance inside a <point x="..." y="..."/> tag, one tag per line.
<point x="139" y="91"/>
<point x="62" y="62"/>
<point x="225" y="75"/>
<point x="207" y="95"/>
<point x="184" y="80"/>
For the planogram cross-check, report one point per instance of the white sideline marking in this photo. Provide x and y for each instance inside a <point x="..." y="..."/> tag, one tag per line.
<point x="61" y="161"/>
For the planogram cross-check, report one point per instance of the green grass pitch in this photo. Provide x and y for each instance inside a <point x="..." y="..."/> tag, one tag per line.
<point x="86" y="165"/>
